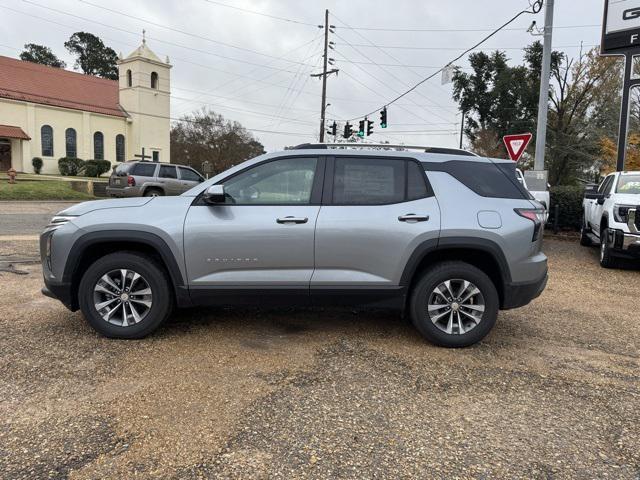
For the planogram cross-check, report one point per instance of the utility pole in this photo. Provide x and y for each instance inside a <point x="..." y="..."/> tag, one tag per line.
<point x="325" y="60"/>
<point x="325" y="73"/>
<point x="543" y="102"/>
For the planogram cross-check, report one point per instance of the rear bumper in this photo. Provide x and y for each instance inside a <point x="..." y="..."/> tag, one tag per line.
<point x="123" y="191"/>
<point x="520" y="294"/>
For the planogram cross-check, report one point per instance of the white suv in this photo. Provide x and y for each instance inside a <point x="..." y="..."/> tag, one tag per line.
<point x="610" y="218"/>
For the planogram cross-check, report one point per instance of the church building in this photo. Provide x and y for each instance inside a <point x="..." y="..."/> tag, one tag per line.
<point x="51" y="113"/>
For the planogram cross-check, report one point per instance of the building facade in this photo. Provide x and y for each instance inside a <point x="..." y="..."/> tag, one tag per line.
<point x="52" y="113"/>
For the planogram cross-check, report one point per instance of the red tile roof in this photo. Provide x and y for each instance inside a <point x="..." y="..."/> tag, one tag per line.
<point x="9" y="131"/>
<point x="31" y="82"/>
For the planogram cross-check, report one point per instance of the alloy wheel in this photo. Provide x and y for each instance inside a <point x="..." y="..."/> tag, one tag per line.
<point x="456" y="306"/>
<point x="122" y="297"/>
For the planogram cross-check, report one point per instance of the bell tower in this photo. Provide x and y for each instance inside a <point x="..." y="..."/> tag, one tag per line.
<point x="144" y="93"/>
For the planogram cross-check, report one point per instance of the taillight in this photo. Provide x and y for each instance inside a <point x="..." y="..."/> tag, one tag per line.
<point x="536" y="215"/>
<point x="131" y="181"/>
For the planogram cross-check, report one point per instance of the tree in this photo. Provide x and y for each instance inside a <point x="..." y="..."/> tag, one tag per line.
<point x="206" y="136"/>
<point x="499" y="99"/>
<point x="40" y="54"/>
<point x="93" y="57"/>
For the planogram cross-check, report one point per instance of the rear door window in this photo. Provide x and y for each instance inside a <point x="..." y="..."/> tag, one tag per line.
<point x="144" y="169"/>
<point x="368" y="181"/>
<point x="168" y="171"/>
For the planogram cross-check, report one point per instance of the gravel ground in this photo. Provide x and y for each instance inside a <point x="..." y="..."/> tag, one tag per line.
<point x="551" y="393"/>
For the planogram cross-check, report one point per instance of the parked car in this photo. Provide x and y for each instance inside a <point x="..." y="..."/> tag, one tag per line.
<point x="610" y="219"/>
<point x="448" y="239"/>
<point x="543" y="196"/>
<point x="150" y="179"/>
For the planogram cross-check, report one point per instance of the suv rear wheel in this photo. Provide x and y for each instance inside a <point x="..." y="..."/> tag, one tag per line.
<point x="454" y="304"/>
<point x="125" y="295"/>
<point x="153" y="192"/>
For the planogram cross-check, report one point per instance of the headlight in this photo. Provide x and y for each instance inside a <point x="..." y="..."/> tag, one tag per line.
<point x="60" y="220"/>
<point x="621" y="213"/>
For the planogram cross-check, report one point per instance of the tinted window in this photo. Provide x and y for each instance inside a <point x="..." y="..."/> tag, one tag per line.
<point x="98" y="146"/>
<point x="604" y="185"/>
<point x="416" y="186"/>
<point x="145" y="169"/>
<point x="485" y="179"/>
<point x="46" y="139"/>
<point x="167" y="171"/>
<point x="124" y="169"/>
<point x="607" y="187"/>
<point x="368" y="181"/>
<point x="119" y="148"/>
<point x="189" y="175"/>
<point x="70" y="142"/>
<point x="286" y="181"/>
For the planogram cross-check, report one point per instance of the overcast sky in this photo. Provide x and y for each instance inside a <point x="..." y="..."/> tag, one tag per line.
<point x="255" y="69"/>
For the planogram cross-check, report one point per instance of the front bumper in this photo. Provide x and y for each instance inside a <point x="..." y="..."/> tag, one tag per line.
<point x="61" y="292"/>
<point x="626" y="244"/>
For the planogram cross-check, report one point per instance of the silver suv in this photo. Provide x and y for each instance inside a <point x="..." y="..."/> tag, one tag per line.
<point x="447" y="239"/>
<point x="148" y="179"/>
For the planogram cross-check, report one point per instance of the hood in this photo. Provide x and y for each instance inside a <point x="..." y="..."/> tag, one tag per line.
<point x="627" y="199"/>
<point x="86" y="207"/>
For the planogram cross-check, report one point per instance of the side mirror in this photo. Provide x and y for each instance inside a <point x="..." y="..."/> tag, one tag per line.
<point x="214" y="194"/>
<point x="601" y="200"/>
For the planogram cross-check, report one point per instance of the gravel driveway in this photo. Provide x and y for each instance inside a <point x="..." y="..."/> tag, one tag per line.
<point x="553" y="392"/>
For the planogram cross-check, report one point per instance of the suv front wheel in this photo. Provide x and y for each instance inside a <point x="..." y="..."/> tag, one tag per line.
<point x="454" y="304"/>
<point x="125" y="295"/>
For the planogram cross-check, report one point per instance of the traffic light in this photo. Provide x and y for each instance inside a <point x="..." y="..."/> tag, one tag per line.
<point x="348" y="131"/>
<point x="361" y="129"/>
<point x="383" y="118"/>
<point x="369" y="127"/>
<point x="333" y="129"/>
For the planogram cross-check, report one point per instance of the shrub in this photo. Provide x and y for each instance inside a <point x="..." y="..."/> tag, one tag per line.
<point x="70" y="167"/>
<point x="37" y="164"/>
<point x="95" y="168"/>
<point x="569" y="201"/>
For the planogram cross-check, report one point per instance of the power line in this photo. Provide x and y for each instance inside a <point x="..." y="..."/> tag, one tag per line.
<point x="535" y="9"/>
<point x="183" y="32"/>
<point x="471" y="29"/>
<point x="411" y="47"/>
<point x="254" y="12"/>
<point x="205" y="52"/>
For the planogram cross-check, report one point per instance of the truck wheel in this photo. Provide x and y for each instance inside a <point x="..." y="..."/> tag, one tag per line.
<point x="454" y="304"/>
<point x="125" y="295"/>
<point x="607" y="260"/>
<point x="585" y="241"/>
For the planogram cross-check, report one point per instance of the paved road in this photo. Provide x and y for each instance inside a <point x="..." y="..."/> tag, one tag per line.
<point x="552" y="392"/>
<point x="27" y="218"/>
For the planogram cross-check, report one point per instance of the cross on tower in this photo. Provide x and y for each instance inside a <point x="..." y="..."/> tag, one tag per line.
<point x="144" y="39"/>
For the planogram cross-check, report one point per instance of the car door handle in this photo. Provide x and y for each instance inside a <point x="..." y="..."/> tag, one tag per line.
<point x="291" y="219"/>
<point x="413" y="218"/>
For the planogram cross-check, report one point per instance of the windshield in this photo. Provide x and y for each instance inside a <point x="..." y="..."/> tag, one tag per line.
<point x="629" y="184"/>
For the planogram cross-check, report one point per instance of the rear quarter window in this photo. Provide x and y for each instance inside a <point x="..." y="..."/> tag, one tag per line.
<point x="486" y="179"/>
<point x="144" y="169"/>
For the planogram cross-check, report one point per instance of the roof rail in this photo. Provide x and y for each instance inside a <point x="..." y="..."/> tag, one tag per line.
<point x="424" y="148"/>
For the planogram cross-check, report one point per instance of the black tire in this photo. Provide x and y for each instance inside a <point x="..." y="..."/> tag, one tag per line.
<point x="152" y="273"/>
<point x="430" y="281"/>
<point x="607" y="260"/>
<point x="153" y="192"/>
<point x="585" y="241"/>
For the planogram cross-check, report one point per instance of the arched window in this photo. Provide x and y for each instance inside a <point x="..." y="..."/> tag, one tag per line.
<point x="70" y="142"/>
<point x="98" y="146"/>
<point x="129" y="80"/>
<point x="120" y="148"/>
<point x="46" y="140"/>
<point x="154" y="80"/>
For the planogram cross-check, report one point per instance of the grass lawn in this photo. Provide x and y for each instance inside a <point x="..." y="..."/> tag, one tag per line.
<point x="40" y="190"/>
